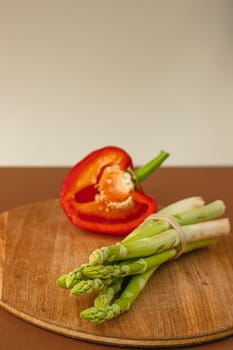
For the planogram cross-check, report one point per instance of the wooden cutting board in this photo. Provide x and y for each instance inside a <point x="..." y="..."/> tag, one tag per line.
<point x="187" y="301"/>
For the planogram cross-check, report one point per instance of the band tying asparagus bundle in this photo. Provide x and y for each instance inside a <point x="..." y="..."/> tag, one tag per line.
<point x="141" y="253"/>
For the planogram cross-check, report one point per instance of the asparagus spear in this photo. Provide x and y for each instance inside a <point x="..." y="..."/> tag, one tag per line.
<point x="106" y="296"/>
<point x="81" y="276"/>
<point x="173" y="209"/>
<point x="164" y="241"/>
<point x="132" y="291"/>
<point x="91" y="285"/>
<point x="123" y="303"/>
<point x="150" y="227"/>
<point x="128" y="268"/>
<point x="61" y="281"/>
<point x="68" y="280"/>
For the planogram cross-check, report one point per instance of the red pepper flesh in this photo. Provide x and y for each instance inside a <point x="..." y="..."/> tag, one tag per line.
<point x="101" y="195"/>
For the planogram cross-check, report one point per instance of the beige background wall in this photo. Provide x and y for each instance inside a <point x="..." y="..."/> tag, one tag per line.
<point x="145" y="75"/>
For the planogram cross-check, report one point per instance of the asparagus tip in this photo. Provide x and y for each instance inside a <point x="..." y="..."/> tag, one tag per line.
<point x="61" y="281"/>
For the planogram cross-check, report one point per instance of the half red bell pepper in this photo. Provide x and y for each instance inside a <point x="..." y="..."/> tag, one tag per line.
<point x="102" y="192"/>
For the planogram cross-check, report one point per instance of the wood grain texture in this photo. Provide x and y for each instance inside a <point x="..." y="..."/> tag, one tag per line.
<point x="187" y="301"/>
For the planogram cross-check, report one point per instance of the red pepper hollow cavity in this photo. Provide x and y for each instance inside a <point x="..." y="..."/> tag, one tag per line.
<point x="102" y="192"/>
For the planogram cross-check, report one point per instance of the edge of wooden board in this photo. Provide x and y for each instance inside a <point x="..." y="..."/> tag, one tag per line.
<point x="150" y="343"/>
<point x="3" y="224"/>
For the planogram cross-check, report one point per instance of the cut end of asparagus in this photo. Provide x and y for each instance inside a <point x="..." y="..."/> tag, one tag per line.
<point x="221" y="204"/>
<point x="211" y="229"/>
<point x="183" y="205"/>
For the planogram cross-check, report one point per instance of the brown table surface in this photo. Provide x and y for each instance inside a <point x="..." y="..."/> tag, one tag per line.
<point x="21" y="185"/>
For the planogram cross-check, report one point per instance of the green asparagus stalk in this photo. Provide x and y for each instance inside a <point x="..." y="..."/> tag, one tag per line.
<point x="133" y="267"/>
<point x="122" y="304"/>
<point x="129" y="267"/>
<point x="164" y="241"/>
<point x="151" y="227"/>
<point x="184" y="205"/>
<point x="68" y="281"/>
<point x="138" y="267"/>
<point x="131" y="292"/>
<point x="106" y="296"/>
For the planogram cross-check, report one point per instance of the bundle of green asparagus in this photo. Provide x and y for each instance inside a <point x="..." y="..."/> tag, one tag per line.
<point x="120" y="271"/>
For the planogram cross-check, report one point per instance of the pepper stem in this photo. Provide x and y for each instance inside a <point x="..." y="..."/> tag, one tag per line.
<point x="146" y="170"/>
